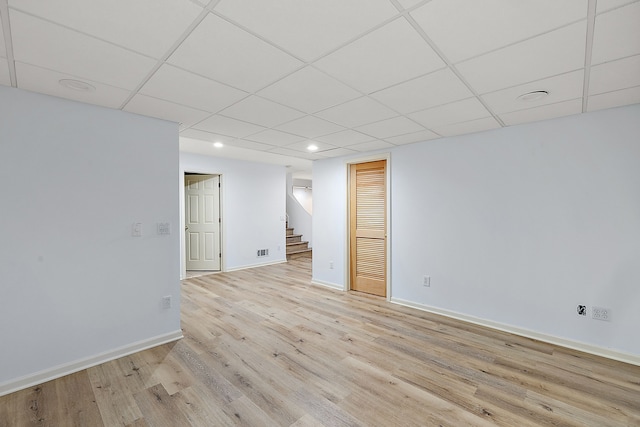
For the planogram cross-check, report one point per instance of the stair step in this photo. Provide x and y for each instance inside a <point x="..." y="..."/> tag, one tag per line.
<point x="293" y="238"/>
<point x="306" y="253"/>
<point x="297" y="246"/>
<point x="289" y="231"/>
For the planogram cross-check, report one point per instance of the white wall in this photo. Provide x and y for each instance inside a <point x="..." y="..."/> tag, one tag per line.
<point x="330" y="222"/>
<point x="515" y="226"/>
<point x="252" y="208"/>
<point x="304" y="196"/>
<point x="76" y="287"/>
<point x="303" y="193"/>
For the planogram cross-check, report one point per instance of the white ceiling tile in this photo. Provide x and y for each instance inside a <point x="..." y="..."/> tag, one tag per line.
<point x="295" y="153"/>
<point x="337" y="152"/>
<point x="147" y="26"/>
<point x="308" y="28"/>
<point x="275" y="137"/>
<point x="310" y="127"/>
<point x="251" y="145"/>
<point x="604" y="5"/>
<point x="387" y="56"/>
<point x="455" y="112"/>
<point x="357" y="112"/>
<point x="47" y="45"/>
<point x="614" y="99"/>
<point x="466" y="28"/>
<point x="547" y="55"/>
<point x="560" y="88"/>
<point x="471" y="126"/>
<point x="408" y="3"/>
<point x="412" y="137"/>
<point x="309" y="90"/>
<point x="5" y="78"/>
<point x="390" y="127"/>
<point x="543" y="112"/>
<point x="615" y="75"/>
<point x="206" y="136"/>
<point x="152" y="107"/>
<point x="230" y="55"/>
<point x="261" y="111"/>
<point x="182" y="87"/>
<point x="227" y="126"/>
<point x="616" y="34"/>
<point x="344" y="138"/>
<point x="40" y="80"/>
<point x="437" y="88"/>
<point x="302" y="146"/>
<point x="371" y="145"/>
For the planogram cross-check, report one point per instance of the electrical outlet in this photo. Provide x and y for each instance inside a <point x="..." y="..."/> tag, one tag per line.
<point x="426" y="281"/>
<point x="330" y="265"/>
<point x="601" y="313"/>
<point x="136" y="229"/>
<point x="166" y="302"/>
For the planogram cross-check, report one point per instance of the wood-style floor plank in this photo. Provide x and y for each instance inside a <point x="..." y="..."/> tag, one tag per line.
<point x="265" y="347"/>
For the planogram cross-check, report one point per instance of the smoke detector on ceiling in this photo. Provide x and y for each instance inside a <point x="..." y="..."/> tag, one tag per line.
<point x="77" y="85"/>
<point x="535" y="95"/>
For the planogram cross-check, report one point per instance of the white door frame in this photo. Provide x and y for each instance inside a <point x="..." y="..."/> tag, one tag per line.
<point x="347" y="252"/>
<point x="183" y="250"/>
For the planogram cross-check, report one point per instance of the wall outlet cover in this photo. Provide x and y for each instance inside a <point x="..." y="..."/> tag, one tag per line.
<point x="166" y="302"/>
<point x="601" y="313"/>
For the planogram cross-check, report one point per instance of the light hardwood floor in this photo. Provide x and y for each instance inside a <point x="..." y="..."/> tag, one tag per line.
<point x="264" y="347"/>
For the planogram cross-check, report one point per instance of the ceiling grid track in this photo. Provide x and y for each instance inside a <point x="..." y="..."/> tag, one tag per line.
<point x="452" y="67"/>
<point x="166" y="56"/>
<point x="6" y="29"/>
<point x="591" y="23"/>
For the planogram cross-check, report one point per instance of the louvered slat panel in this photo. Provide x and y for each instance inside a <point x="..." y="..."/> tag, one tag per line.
<point x="370" y="211"/>
<point x="370" y="260"/>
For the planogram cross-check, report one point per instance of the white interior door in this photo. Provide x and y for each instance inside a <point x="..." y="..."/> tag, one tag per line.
<point x="202" y="222"/>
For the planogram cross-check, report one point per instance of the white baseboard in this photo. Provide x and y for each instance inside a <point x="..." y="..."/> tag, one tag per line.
<point x="562" y="342"/>
<point x="245" y="267"/>
<point x="81" y="364"/>
<point x="327" y="285"/>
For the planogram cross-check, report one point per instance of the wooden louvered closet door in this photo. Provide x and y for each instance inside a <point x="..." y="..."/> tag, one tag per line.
<point x="368" y="230"/>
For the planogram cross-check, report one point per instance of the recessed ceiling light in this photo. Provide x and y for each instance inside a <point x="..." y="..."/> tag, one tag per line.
<point x="77" y="85"/>
<point x="312" y="147"/>
<point x="533" y="96"/>
<point x="218" y="144"/>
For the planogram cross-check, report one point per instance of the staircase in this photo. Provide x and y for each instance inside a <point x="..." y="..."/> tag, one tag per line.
<point x="296" y="247"/>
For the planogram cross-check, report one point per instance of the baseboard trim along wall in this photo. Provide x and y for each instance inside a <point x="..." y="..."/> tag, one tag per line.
<point x="574" y="345"/>
<point x="79" y="365"/>
<point x="327" y="285"/>
<point x="264" y="264"/>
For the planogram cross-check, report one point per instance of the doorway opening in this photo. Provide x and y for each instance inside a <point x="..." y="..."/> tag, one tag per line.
<point x="202" y="224"/>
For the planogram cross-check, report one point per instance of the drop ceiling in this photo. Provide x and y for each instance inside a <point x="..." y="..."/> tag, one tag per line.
<point x="270" y="77"/>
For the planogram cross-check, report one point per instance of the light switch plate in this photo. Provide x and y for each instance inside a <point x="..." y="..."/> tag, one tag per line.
<point x="164" y="228"/>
